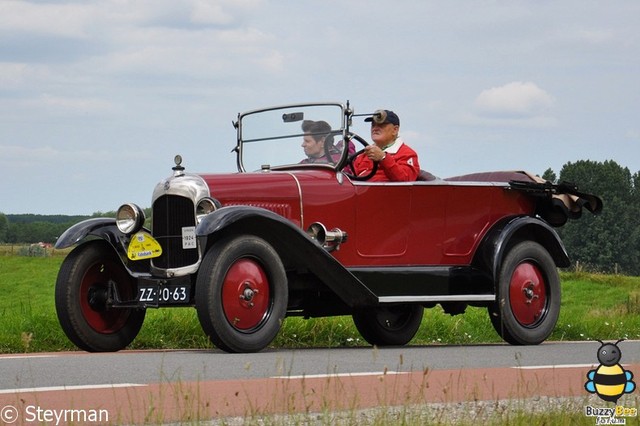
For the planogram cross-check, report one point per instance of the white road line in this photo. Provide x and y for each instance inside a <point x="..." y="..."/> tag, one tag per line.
<point x="26" y="356"/>
<point x="547" y="367"/>
<point x="319" y="376"/>
<point x="66" y="388"/>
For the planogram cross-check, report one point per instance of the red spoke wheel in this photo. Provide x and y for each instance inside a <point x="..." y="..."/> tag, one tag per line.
<point x="81" y="299"/>
<point x="528" y="295"/>
<point x="245" y="294"/>
<point x="241" y="294"/>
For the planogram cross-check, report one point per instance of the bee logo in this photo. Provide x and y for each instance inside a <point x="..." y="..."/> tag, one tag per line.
<point x="609" y="381"/>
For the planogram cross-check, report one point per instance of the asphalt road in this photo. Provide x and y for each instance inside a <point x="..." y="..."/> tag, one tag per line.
<point x="144" y="367"/>
<point x="129" y="382"/>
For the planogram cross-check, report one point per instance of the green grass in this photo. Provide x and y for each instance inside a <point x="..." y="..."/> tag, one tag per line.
<point x="517" y="412"/>
<point x="594" y="306"/>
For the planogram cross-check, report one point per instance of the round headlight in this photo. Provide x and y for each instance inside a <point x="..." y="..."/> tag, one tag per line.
<point x="129" y="218"/>
<point x="204" y="207"/>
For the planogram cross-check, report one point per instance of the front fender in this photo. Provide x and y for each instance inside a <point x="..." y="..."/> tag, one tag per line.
<point x="102" y="227"/>
<point x="292" y="244"/>
<point x="501" y="236"/>
<point x="105" y="229"/>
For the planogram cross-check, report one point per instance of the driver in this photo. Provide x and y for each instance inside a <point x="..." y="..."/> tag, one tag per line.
<point x="397" y="162"/>
<point x="316" y="135"/>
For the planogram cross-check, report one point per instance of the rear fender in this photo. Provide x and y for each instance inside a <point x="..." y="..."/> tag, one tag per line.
<point x="506" y="233"/>
<point x="295" y="248"/>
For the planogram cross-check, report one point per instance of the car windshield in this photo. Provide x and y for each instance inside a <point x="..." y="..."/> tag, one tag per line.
<point x="294" y="135"/>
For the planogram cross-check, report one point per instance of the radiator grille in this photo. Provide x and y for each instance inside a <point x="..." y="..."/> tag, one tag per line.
<point x="170" y="214"/>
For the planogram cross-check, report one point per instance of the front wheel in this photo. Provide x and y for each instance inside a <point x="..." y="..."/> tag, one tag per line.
<point x="81" y="299"/>
<point x="241" y="294"/>
<point x="528" y="295"/>
<point x="393" y="325"/>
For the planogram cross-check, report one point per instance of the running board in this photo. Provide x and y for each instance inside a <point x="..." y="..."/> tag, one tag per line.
<point x="437" y="299"/>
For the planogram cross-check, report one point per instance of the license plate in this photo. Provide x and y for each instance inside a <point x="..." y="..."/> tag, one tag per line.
<point x="167" y="294"/>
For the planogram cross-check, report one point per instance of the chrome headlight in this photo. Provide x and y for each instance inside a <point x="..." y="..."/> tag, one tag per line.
<point x="129" y="218"/>
<point x="330" y="240"/>
<point x="205" y="206"/>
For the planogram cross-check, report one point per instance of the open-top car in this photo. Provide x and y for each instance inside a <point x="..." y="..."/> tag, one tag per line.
<point x="292" y="235"/>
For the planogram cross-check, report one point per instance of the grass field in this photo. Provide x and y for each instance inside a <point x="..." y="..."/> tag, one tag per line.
<point x="594" y="306"/>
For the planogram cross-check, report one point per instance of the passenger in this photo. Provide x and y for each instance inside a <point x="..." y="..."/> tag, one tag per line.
<point x="397" y="162"/>
<point x="317" y="134"/>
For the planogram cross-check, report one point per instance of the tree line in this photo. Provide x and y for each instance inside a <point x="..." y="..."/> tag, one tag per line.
<point x="608" y="242"/>
<point x="36" y="228"/>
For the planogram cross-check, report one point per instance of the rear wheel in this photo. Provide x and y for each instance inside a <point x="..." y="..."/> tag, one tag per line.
<point x="81" y="299"/>
<point x="241" y="294"/>
<point x="528" y="299"/>
<point x="392" y="325"/>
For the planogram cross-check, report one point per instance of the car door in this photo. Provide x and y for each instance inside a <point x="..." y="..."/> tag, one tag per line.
<point x="383" y="214"/>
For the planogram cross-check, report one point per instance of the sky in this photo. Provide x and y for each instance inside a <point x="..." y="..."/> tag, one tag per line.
<point x="96" y="97"/>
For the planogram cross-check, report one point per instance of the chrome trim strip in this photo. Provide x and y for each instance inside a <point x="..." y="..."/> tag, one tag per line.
<point x="443" y="298"/>
<point x="436" y="182"/>
<point x="177" y="272"/>
<point x="295" y="178"/>
<point x="287" y="106"/>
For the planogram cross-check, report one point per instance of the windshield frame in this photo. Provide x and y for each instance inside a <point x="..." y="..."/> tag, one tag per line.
<point x="343" y="132"/>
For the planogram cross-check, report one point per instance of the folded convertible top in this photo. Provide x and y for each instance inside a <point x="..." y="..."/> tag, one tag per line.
<point x="559" y="202"/>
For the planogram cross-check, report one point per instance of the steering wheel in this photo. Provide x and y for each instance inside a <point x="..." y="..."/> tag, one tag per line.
<point x="352" y="157"/>
<point x="327" y="152"/>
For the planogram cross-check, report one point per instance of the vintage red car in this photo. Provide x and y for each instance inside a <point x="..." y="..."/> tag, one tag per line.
<point x="285" y="236"/>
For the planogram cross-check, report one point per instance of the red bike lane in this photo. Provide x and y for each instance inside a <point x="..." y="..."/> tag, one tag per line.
<point x="189" y="401"/>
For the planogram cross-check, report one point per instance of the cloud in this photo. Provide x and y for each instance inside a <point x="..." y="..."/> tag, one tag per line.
<point x="15" y="152"/>
<point x="76" y="19"/>
<point x="148" y="34"/>
<point x="15" y="158"/>
<point x="517" y="100"/>
<point x="633" y="134"/>
<point x="12" y="74"/>
<point x="65" y="20"/>
<point x="70" y="104"/>
<point x="206" y="53"/>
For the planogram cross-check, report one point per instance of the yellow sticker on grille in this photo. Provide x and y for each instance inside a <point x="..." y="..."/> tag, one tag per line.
<point x="143" y="246"/>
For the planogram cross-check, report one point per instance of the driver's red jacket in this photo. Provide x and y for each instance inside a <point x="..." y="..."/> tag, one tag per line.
<point x="399" y="165"/>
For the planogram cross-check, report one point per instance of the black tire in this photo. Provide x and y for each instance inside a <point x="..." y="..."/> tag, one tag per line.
<point x="528" y="295"/>
<point x="80" y="298"/>
<point x="393" y="325"/>
<point x="241" y="294"/>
